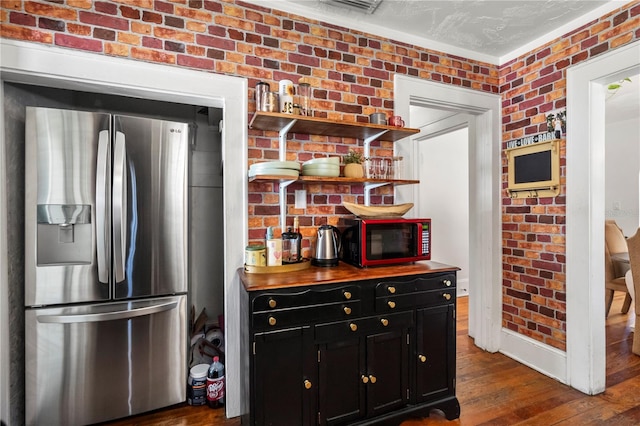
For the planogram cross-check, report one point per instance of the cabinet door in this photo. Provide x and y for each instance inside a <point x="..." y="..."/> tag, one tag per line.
<point x="435" y="352"/>
<point x="285" y="378"/>
<point x="342" y="393"/>
<point x="387" y="370"/>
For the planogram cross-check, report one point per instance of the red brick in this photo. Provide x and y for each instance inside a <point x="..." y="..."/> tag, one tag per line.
<point x="106" y="7"/>
<point x="103" y="21"/>
<point x="191" y="62"/>
<point x="22" y="19"/>
<point x="78" y="43"/>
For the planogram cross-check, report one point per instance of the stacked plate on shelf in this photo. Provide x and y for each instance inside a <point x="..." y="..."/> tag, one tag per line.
<point x="275" y="168"/>
<point x="325" y="166"/>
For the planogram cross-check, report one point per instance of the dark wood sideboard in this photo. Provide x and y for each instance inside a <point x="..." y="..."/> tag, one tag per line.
<point x="345" y="345"/>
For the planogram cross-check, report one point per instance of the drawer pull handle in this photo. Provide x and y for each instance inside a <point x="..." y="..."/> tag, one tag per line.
<point x="391" y="289"/>
<point x="447" y="283"/>
<point x="272" y="321"/>
<point x="272" y="303"/>
<point x="384" y="321"/>
<point x="365" y="379"/>
<point x="391" y="304"/>
<point x="353" y="327"/>
<point x="422" y="358"/>
<point x="446" y="296"/>
<point x="307" y="384"/>
<point x="347" y="295"/>
<point x="372" y="378"/>
<point x="347" y="310"/>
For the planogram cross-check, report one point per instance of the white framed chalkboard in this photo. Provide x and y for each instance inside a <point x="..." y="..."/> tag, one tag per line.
<point x="534" y="170"/>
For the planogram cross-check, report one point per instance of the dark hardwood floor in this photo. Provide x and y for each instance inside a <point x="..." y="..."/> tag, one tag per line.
<point x="496" y="390"/>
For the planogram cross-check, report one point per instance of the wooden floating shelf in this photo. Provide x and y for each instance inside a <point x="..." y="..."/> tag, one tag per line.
<point x="321" y="126"/>
<point x="336" y="180"/>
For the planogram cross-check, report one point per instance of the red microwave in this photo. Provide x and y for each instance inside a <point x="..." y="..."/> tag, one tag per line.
<point x="370" y="242"/>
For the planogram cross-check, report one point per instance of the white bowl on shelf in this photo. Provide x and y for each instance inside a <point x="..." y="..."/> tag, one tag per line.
<point x="322" y="160"/>
<point x="275" y="172"/>
<point x="269" y="165"/>
<point x="325" y="170"/>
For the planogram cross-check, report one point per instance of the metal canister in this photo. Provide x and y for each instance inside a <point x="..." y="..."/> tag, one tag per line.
<point x="255" y="255"/>
<point x="262" y="89"/>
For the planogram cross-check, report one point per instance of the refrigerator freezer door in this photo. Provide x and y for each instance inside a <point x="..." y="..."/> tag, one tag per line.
<point x="150" y="207"/>
<point x="94" y="363"/>
<point x="61" y="181"/>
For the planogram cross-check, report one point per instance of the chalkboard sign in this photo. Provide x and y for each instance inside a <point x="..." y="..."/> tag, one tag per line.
<point x="534" y="168"/>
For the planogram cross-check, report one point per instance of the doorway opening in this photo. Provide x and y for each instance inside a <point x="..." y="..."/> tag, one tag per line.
<point x="34" y="64"/>
<point x="586" y="93"/>
<point x="483" y="122"/>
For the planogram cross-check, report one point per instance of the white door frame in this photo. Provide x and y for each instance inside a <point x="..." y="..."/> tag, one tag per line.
<point x="485" y="301"/>
<point x="37" y="64"/>
<point x="586" y="89"/>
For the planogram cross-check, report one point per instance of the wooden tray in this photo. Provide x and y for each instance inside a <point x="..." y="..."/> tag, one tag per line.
<point x="381" y="211"/>
<point x="289" y="267"/>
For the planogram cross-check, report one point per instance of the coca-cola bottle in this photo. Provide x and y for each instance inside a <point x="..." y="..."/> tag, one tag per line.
<point x="215" y="384"/>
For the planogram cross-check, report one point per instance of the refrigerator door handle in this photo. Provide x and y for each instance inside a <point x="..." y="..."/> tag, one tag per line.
<point x="102" y="195"/>
<point x="107" y="316"/>
<point x="119" y="206"/>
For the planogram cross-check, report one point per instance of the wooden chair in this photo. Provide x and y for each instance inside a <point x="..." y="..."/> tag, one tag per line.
<point x="613" y="284"/>
<point x="614" y="237"/>
<point x="634" y="259"/>
<point x="617" y="243"/>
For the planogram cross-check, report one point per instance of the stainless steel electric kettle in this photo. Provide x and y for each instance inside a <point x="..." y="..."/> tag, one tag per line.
<point x="327" y="246"/>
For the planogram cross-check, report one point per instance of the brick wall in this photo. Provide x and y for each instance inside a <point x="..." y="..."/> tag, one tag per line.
<point x="351" y="73"/>
<point x="533" y="230"/>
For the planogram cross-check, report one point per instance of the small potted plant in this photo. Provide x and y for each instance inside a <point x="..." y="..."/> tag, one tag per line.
<point x="353" y="164"/>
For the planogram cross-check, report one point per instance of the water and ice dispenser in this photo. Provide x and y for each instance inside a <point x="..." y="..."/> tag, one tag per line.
<point x="64" y="234"/>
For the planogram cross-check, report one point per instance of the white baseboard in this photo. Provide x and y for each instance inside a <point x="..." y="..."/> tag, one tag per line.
<point x="542" y="358"/>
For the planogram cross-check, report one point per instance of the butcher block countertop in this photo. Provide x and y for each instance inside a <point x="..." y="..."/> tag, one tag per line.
<point x="315" y="275"/>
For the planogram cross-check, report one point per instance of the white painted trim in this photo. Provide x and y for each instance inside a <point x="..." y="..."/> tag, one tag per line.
<point x="546" y="359"/>
<point x="586" y="362"/>
<point x="485" y="304"/>
<point x="34" y="63"/>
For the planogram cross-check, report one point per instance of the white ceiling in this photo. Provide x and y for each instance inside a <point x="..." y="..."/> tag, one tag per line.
<point x="493" y="31"/>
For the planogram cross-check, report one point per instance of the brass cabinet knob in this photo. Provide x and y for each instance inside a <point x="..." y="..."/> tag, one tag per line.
<point x="391" y="289"/>
<point x="384" y="321"/>
<point x="364" y="378"/>
<point x="446" y="296"/>
<point x="272" y="303"/>
<point x="447" y="283"/>
<point x="372" y="378"/>
<point x="272" y="321"/>
<point x="422" y="358"/>
<point x="353" y="327"/>
<point x="347" y="295"/>
<point x="307" y="384"/>
<point x="347" y="310"/>
<point x="391" y="304"/>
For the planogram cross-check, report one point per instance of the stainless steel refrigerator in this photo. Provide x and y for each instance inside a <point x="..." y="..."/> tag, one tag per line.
<point x="106" y="242"/>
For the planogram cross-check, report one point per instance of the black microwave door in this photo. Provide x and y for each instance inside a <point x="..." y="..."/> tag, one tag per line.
<point x="391" y="241"/>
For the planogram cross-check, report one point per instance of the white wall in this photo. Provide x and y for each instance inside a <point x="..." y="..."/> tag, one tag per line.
<point x="444" y="197"/>
<point x="622" y="157"/>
